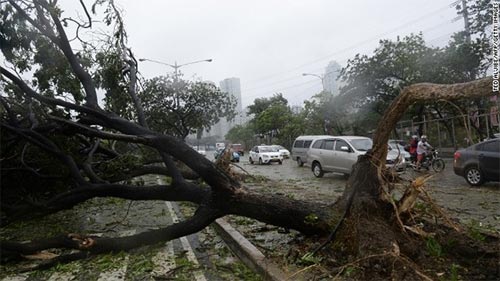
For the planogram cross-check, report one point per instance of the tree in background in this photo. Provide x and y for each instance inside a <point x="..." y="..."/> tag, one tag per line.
<point x="323" y="115"/>
<point x="244" y="134"/>
<point x="271" y="115"/>
<point x="372" y="82"/>
<point x="180" y="107"/>
<point x="261" y="104"/>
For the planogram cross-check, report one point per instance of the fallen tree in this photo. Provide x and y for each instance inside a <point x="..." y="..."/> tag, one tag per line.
<point x="368" y="223"/>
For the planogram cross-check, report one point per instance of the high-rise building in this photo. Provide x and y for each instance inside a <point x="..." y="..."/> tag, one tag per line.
<point x="331" y="78"/>
<point x="231" y="86"/>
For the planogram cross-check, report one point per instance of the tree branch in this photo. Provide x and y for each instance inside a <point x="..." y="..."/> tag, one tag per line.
<point x="202" y="218"/>
<point x="421" y="92"/>
<point x="50" y="147"/>
<point x="182" y="192"/>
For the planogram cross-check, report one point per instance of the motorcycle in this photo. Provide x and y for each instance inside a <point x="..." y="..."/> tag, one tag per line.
<point x="430" y="160"/>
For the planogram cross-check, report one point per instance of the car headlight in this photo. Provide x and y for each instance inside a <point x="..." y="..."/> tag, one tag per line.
<point x="265" y="156"/>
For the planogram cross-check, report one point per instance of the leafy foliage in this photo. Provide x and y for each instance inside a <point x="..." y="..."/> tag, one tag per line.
<point x="181" y="107"/>
<point x="372" y="82"/>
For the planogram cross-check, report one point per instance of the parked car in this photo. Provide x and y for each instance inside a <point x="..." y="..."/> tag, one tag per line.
<point x="479" y="163"/>
<point x="395" y="145"/>
<point x="300" y="147"/>
<point x="265" y="154"/>
<point x="285" y="153"/>
<point x="237" y="148"/>
<point x="339" y="153"/>
<point x="200" y="150"/>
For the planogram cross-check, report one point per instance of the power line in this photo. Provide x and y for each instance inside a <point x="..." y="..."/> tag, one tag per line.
<point x="315" y="80"/>
<point x="441" y="24"/>
<point x="376" y="37"/>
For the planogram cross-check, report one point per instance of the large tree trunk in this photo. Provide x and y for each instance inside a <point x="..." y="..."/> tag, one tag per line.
<point x="372" y="214"/>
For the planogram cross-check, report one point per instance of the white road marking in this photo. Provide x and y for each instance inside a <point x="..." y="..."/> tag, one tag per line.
<point x="198" y="274"/>
<point x="164" y="260"/>
<point x="62" y="276"/>
<point x="18" y="277"/>
<point x="117" y="274"/>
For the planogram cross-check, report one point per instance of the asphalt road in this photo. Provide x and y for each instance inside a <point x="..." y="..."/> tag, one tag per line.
<point x="476" y="206"/>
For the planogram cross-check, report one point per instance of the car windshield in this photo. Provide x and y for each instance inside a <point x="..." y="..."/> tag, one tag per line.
<point x="362" y="144"/>
<point x="267" y="149"/>
<point x="396" y="146"/>
<point x="278" y="147"/>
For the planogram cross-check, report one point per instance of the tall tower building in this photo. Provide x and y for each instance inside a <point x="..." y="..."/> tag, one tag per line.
<point x="231" y="86"/>
<point x="331" y="78"/>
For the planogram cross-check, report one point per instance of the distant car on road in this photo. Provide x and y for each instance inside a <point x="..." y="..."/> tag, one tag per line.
<point x="285" y="153"/>
<point x="237" y="148"/>
<point x="479" y="163"/>
<point x="233" y="156"/>
<point x="265" y="154"/>
<point x="200" y="150"/>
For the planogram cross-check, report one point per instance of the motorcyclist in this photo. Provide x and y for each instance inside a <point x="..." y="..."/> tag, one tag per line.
<point x="423" y="148"/>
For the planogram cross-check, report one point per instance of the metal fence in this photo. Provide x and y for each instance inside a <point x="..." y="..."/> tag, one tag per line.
<point x="452" y="132"/>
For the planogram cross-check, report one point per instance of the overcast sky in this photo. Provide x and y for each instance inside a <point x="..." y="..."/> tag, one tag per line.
<point x="268" y="44"/>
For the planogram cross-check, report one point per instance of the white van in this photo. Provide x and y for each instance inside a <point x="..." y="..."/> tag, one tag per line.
<point x="300" y="147"/>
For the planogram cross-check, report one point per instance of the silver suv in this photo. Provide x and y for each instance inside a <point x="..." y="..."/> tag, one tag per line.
<point x="336" y="154"/>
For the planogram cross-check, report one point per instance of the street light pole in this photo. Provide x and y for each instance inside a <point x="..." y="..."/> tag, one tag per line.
<point x="175" y="66"/>
<point x="318" y="76"/>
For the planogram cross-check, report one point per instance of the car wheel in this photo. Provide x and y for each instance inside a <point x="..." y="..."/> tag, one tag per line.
<point x="473" y="176"/>
<point x="438" y="165"/>
<point x="260" y="161"/>
<point x="317" y="170"/>
<point x="299" y="162"/>
<point x="280" y="162"/>
<point x="250" y="159"/>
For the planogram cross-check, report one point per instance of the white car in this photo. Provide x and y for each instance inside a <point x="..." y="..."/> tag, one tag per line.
<point x="200" y="150"/>
<point x="394" y="145"/>
<point x="285" y="153"/>
<point x="265" y="154"/>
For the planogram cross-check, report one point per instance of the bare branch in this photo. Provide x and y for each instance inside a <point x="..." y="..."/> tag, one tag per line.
<point x="87" y="165"/>
<point x="50" y="147"/>
<point x="202" y="218"/>
<point x="186" y="192"/>
<point x="78" y="70"/>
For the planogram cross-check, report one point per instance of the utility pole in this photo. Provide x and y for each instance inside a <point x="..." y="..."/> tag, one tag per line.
<point x="465" y="14"/>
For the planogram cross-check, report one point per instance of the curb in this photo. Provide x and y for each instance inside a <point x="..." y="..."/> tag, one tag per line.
<point x="247" y="252"/>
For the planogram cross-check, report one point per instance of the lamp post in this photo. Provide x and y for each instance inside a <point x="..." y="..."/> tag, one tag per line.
<point x="175" y="66"/>
<point x="322" y="78"/>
